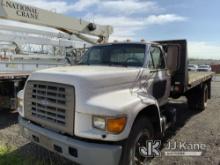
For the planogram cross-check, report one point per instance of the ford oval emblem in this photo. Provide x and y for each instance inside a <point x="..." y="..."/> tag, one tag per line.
<point x="44" y="102"/>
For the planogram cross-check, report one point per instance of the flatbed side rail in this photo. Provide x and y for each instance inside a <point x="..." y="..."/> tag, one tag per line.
<point x="196" y="78"/>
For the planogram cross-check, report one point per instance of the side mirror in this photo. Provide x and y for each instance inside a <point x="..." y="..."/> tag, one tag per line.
<point x="172" y="58"/>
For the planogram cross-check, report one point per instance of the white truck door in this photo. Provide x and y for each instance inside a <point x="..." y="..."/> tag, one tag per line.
<point x="160" y="77"/>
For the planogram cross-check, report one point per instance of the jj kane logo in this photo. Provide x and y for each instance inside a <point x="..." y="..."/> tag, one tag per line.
<point x="152" y="149"/>
<point x="22" y="10"/>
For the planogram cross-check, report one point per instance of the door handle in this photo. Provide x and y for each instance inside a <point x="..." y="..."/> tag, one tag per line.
<point x="153" y="71"/>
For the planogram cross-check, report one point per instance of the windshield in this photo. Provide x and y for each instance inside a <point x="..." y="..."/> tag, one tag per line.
<point x="115" y="54"/>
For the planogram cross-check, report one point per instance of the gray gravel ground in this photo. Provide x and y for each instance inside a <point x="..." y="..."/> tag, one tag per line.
<point x="191" y="127"/>
<point x="203" y="128"/>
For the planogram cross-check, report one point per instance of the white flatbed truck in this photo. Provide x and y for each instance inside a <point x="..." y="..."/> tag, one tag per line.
<point x="101" y="111"/>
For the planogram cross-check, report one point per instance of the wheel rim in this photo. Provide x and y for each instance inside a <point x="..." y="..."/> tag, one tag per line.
<point x="135" y="157"/>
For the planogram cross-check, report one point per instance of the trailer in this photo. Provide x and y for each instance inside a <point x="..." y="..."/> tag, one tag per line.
<point x="16" y="66"/>
<point x="10" y="84"/>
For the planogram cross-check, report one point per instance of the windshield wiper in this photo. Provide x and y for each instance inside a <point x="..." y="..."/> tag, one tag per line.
<point x="124" y="65"/>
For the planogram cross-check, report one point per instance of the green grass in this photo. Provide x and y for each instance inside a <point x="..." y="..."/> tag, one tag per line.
<point x="8" y="156"/>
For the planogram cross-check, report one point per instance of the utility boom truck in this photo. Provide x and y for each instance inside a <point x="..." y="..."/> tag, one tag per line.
<point x="23" y="50"/>
<point x="102" y="110"/>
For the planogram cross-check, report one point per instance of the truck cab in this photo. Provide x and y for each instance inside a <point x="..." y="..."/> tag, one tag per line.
<point x="112" y="102"/>
<point x="147" y="58"/>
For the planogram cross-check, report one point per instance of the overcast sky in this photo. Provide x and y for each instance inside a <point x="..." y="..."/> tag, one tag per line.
<point x="194" y="20"/>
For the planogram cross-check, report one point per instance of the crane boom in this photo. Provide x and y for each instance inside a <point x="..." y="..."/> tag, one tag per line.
<point x="24" y="13"/>
<point x="41" y="40"/>
<point x="24" y="30"/>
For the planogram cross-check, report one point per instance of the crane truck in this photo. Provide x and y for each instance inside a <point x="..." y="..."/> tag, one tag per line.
<point x="17" y="60"/>
<point x="104" y="109"/>
<point x="24" y="50"/>
<point x="28" y="50"/>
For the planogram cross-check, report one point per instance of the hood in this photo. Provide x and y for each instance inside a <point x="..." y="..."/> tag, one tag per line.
<point x="90" y="76"/>
<point x="95" y="85"/>
<point x="87" y="70"/>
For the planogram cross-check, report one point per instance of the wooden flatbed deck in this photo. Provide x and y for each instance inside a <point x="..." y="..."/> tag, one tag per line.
<point x="196" y="78"/>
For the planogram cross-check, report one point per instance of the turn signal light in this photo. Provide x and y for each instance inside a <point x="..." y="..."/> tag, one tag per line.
<point x="116" y="125"/>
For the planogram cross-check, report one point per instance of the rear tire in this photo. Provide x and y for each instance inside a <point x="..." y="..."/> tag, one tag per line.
<point x="141" y="131"/>
<point x="197" y="99"/>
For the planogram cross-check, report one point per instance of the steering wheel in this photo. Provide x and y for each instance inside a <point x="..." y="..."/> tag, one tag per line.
<point x="133" y="60"/>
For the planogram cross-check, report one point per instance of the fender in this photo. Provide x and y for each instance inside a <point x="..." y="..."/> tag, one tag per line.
<point x="118" y="103"/>
<point x="151" y="110"/>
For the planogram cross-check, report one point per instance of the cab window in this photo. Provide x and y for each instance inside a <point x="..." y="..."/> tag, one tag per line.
<point x="156" y="59"/>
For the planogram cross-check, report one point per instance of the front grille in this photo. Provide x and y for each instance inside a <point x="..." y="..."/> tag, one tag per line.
<point x="51" y="105"/>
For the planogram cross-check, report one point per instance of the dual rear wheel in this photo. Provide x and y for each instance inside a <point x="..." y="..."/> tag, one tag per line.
<point x="198" y="98"/>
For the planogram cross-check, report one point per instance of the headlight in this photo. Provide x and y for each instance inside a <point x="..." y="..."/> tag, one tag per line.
<point x="20" y="103"/>
<point x="99" y="122"/>
<point x="113" y="125"/>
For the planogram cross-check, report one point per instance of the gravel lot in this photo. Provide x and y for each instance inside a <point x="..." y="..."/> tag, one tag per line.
<point x="191" y="127"/>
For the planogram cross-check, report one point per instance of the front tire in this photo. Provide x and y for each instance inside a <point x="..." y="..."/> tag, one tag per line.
<point x="141" y="131"/>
